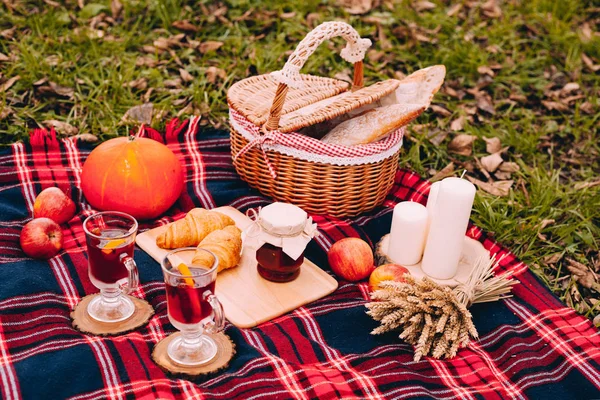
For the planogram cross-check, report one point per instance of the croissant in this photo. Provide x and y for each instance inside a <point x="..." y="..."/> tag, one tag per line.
<point x="226" y="244"/>
<point x="190" y="231"/>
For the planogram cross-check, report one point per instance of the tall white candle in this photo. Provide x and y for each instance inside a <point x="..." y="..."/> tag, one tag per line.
<point x="408" y="233"/>
<point x="447" y="228"/>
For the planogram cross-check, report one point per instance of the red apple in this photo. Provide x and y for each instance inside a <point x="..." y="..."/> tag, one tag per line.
<point x="53" y="203"/>
<point x="41" y="238"/>
<point x="351" y="259"/>
<point x="386" y="272"/>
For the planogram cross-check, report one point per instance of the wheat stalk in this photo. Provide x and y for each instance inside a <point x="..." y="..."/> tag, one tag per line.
<point x="434" y="318"/>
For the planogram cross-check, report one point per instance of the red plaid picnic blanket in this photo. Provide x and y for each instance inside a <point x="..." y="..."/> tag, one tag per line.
<point x="531" y="346"/>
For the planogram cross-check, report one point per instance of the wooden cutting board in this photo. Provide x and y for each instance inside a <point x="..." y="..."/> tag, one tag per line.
<point x="249" y="299"/>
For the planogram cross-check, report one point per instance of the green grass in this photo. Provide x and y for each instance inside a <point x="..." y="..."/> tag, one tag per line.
<point x="538" y="45"/>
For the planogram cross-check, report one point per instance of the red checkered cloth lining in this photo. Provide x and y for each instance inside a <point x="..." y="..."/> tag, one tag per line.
<point x="302" y="142"/>
<point x="531" y="345"/>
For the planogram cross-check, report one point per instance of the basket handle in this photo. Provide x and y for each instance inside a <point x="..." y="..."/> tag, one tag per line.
<point x="289" y="75"/>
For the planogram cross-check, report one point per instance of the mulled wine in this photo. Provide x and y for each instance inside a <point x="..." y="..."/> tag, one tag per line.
<point x="187" y="304"/>
<point x="275" y="265"/>
<point x="192" y="306"/>
<point x="105" y="255"/>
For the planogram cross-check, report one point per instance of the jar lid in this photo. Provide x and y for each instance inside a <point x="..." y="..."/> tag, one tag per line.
<point x="283" y="219"/>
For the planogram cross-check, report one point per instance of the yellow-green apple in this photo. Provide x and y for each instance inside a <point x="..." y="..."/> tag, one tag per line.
<point x="386" y="272"/>
<point x="351" y="259"/>
<point x="53" y="203"/>
<point x="41" y="238"/>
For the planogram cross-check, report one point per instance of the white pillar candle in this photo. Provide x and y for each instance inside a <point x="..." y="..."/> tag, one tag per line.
<point x="449" y="220"/>
<point x="408" y="233"/>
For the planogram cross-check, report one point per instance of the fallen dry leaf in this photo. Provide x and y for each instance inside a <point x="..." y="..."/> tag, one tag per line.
<point x="163" y="43"/>
<point x="582" y="274"/>
<point x="4" y="57"/>
<point x="61" y="127"/>
<point x="585" y="32"/>
<point x="518" y="97"/>
<point x="554" y="105"/>
<point x="453" y="10"/>
<point x="462" y="144"/>
<point x="357" y="6"/>
<point x="116" y="8"/>
<point x="587" y="107"/>
<point x="8" y="33"/>
<point x="440" y="110"/>
<point x="8" y="83"/>
<point x="52" y="60"/>
<point x="172" y="83"/>
<point x="423" y="6"/>
<point x="546" y="222"/>
<point x="209" y="45"/>
<point x="509" y="167"/>
<point x="140" y="84"/>
<point x="498" y="188"/>
<point x="6" y="111"/>
<point x="484" y="102"/>
<point x="491" y="162"/>
<point x="570" y="87"/>
<point x="458" y="124"/>
<point x="54" y="88"/>
<point x="552" y="259"/>
<point x="288" y="15"/>
<point x="485" y="70"/>
<point x="448" y="170"/>
<point x="146" y="96"/>
<point x="212" y="73"/>
<point x="147" y="61"/>
<point x="312" y="19"/>
<point x="585" y="185"/>
<point x="86" y="137"/>
<point x="186" y="76"/>
<point x="185" y="26"/>
<point x="141" y="114"/>
<point x="492" y="145"/>
<point x="501" y="175"/>
<point x="491" y="9"/>
<point x="589" y="63"/>
<point x="436" y="136"/>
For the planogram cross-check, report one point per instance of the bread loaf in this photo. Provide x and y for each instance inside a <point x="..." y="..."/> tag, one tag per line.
<point x="374" y="121"/>
<point x="373" y="125"/>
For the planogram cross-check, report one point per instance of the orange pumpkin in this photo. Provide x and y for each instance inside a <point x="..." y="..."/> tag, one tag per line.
<point x="139" y="176"/>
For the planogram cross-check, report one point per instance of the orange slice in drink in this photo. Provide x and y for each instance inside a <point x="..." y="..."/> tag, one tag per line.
<point x="184" y="270"/>
<point x="112" y="244"/>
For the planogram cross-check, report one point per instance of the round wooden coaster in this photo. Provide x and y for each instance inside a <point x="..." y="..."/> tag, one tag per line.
<point x="86" y="324"/>
<point x="225" y="352"/>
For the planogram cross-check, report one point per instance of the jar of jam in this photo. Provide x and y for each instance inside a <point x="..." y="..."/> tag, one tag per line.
<point x="285" y="231"/>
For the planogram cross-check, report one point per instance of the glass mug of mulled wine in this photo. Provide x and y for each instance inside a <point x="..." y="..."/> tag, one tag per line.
<point x="110" y="238"/>
<point x="192" y="306"/>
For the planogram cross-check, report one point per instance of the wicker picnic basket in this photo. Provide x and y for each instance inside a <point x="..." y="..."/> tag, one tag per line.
<point x="266" y="111"/>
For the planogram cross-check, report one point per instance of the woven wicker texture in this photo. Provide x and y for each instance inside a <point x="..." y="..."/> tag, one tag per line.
<point x="252" y="97"/>
<point x="353" y="52"/>
<point x="333" y="107"/>
<point x="319" y="188"/>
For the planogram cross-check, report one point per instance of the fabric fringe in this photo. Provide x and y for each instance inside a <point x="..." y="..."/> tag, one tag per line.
<point x="43" y="139"/>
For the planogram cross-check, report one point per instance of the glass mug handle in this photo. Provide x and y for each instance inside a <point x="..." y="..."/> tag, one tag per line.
<point x="218" y="322"/>
<point x="133" y="279"/>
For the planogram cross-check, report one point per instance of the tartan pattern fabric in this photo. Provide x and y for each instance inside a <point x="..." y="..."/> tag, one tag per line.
<point x="531" y="345"/>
